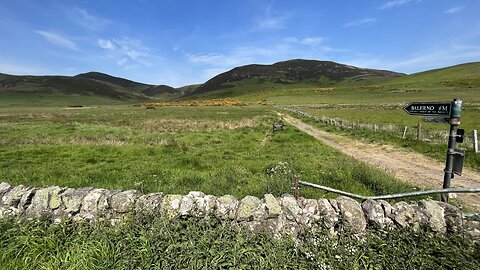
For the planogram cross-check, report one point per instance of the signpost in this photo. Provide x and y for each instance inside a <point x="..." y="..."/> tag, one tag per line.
<point x="428" y="108"/>
<point x="453" y="110"/>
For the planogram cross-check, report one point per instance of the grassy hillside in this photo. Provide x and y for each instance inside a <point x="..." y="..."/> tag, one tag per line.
<point x="298" y="71"/>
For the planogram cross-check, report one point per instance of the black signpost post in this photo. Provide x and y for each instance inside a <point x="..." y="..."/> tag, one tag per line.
<point x="452" y="110"/>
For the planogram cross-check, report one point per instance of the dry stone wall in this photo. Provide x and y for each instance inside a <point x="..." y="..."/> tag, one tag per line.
<point x="279" y="215"/>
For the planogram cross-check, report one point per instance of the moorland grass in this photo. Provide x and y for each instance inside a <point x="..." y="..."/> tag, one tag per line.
<point x="216" y="150"/>
<point x="211" y="244"/>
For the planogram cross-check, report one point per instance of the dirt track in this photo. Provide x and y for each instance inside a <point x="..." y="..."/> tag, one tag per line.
<point x="410" y="167"/>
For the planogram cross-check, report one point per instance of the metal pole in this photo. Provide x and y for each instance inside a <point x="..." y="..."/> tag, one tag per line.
<point x="475" y="141"/>
<point x="454" y="122"/>
<point x="392" y="196"/>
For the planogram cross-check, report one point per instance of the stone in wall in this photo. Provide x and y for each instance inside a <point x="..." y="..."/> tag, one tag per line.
<point x="71" y="203"/>
<point x="226" y="207"/>
<point x="43" y="202"/>
<point x="351" y="215"/>
<point x="282" y="215"/>
<point x="250" y="208"/>
<point x="171" y="206"/>
<point x="434" y="214"/>
<point x="149" y="204"/>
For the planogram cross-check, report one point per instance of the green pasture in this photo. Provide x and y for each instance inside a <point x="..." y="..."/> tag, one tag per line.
<point x="217" y="150"/>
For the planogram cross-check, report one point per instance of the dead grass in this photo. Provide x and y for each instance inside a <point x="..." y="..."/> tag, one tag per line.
<point x="206" y="102"/>
<point x="161" y="125"/>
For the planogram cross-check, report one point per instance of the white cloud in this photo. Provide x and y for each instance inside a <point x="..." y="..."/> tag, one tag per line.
<point x="128" y="52"/>
<point x="106" y="44"/>
<point x="394" y="3"/>
<point x="454" y="10"/>
<point x="58" y="40"/>
<point x="364" y="21"/>
<point x="87" y="20"/>
<point x="284" y="49"/>
<point x="421" y="61"/>
<point x="271" y="20"/>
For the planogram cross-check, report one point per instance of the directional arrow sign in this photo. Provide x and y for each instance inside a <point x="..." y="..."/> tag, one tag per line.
<point x="428" y="108"/>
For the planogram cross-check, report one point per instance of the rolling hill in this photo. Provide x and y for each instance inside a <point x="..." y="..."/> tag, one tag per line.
<point x="280" y="79"/>
<point x="293" y="72"/>
<point x="91" y="87"/>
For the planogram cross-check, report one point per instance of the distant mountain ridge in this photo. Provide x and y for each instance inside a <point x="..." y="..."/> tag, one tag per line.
<point x="293" y="71"/>
<point x="244" y="80"/>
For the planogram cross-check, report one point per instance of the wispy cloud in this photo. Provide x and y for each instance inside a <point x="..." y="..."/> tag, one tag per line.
<point x="454" y="10"/>
<point x="283" y="49"/>
<point x="57" y="40"/>
<point x="420" y="61"/>
<point x="127" y="52"/>
<point x="394" y="3"/>
<point x="87" y="20"/>
<point x="271" y="20"/>
<point x="364" y="21"/>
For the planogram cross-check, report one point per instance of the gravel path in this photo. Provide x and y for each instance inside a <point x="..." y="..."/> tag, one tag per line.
<point x="410" y="167"/>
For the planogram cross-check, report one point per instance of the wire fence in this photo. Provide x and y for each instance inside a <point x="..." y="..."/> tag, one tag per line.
<point x="417" y="132"/>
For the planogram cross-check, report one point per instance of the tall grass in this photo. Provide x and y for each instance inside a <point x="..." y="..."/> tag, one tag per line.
<point x="202" y="244"/>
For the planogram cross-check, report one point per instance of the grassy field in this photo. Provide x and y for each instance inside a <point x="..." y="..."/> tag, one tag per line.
<point x="200" y="244"/>
<point x="217" y="150"/>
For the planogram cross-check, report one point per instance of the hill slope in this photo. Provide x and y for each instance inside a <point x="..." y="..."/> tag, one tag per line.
<point x="111" y="79"/>
<point x="468" y="74"/>
<point x="291" y="72"/>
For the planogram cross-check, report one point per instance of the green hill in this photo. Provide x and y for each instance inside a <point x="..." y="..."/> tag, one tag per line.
<point x="467" y="74"/>
<point x="287" y="74"/>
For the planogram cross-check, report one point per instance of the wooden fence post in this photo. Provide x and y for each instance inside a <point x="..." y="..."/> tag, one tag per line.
<point x="404" y="132"/>
<point x="475" y="141"/>
<point x="419" y="130"/>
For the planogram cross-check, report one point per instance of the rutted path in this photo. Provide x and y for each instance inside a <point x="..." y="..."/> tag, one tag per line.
<point x="410" y="167"/>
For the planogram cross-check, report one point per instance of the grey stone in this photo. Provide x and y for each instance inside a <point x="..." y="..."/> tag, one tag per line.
<point x="453" y="217"/>
<point x="273" y="206"/>
<point x="171" y="205"/>
<point x="405" y="215"/>
<point x="40" y="204"/>
<point x="187" y="205"/>
<point x="25" y="201"/>
<point x="210" y="204"/>
<point x="328" y="215"/>
<point x="55" y="200"/>
<point x="149" y="204"/>
<point x="105" y="202"/>
<point x="290" y="207"/>
<point x="89" y="208"/>
<point x="374" y="214"/>
<point x="12" y="197"/>
<point x="435" y="215"/>
<point x="124" y="202"/>
<point x="72" y="199"/>
<point x="4" y="188"/>
<point x="310" y="214"/>
<point x="226" y="207"/>
<point x="249" y="209"/>
<point x="352" y="215"/>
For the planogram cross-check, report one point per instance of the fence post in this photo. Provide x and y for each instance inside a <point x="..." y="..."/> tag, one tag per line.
<point x="475" y="141"/>
<point x="404" y="132"/>
<point x="419" y="130"/>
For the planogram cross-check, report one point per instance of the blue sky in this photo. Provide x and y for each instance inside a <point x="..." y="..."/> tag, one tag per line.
<point x="178" y="42"/>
